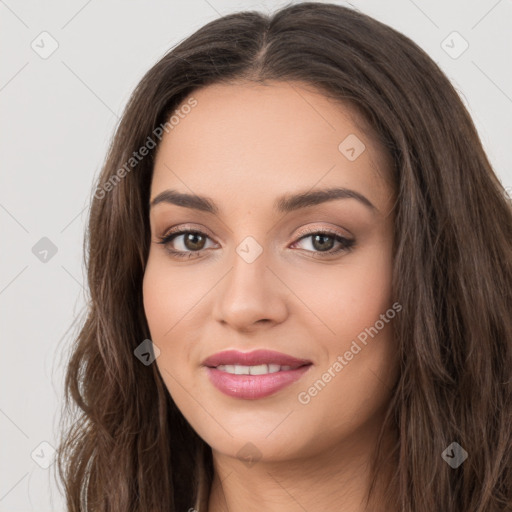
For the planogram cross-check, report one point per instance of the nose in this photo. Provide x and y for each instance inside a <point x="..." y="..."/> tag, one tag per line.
<point x="251" y="295"/>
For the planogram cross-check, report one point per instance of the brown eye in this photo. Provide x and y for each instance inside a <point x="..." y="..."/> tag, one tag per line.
<point x="185" y="243"/>
<point x="194" y="241"/>
<point x="323" y="242"/>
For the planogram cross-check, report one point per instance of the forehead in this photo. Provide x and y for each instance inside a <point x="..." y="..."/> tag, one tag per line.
<point x="257" y="140"/>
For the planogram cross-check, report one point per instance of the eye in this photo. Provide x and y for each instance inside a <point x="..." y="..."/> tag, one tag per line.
<point x="194" y="241"/>
<point x="322" y="242"/>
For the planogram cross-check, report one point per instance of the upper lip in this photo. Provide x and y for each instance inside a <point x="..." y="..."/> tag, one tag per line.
<point x="254" y="358"/>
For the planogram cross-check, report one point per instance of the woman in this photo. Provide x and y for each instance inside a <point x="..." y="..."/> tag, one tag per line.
<point x="300" y="276"/>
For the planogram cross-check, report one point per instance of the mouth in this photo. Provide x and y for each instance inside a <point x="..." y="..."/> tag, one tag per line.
<point x="260" y="369"/>
<point x="254" y="375"/>
<point x="270" y="359"/>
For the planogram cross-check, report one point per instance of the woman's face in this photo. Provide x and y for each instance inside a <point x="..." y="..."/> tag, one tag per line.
<point x="262" y="274"/>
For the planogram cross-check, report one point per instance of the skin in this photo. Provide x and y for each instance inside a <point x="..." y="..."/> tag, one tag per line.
<point x="243" y="146"/>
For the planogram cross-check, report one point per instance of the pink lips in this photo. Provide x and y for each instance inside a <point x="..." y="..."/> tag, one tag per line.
<point x="251" y="387"/>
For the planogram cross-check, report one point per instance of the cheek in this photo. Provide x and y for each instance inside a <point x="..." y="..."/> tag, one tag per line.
<point x="347" y="297"/>
<point x="363" y="295"/>
<point x="354" y="301"/>
<point x="366" y="317"/>
<point x="171" y="300"/>
<point x="158" y="299"/>
<point x="367" y="290"/>
<point x="169" y="297"/>
<point x="161" y="307"/>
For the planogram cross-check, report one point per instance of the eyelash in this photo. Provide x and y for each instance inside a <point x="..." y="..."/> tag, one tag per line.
<point x="346" y="244"/>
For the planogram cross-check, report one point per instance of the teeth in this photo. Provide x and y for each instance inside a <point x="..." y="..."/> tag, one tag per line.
<point x="240" y="370"/>
<point x="260" y="369"/>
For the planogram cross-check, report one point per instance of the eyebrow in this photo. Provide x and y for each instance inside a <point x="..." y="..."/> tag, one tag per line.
<point x="284" y="204"/>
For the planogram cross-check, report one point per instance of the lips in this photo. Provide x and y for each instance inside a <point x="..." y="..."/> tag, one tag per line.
<point x="255" y="358"/>
<point x="253" y="375"/>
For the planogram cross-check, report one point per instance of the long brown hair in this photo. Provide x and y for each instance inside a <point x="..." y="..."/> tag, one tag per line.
<point x="128" y="447"/>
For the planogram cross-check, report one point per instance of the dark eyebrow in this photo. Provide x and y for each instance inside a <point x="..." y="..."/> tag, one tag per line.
<point x="289" y="203"/>
<point x="201" y="203"/>
<point x="283" y="204"/>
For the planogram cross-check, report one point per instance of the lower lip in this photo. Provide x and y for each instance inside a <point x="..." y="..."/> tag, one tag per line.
<point x="252" y="387"/>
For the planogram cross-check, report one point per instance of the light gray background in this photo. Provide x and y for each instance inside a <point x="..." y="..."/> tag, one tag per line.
<point x="58" y="115"/>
